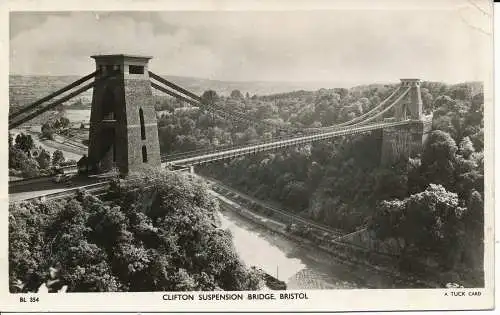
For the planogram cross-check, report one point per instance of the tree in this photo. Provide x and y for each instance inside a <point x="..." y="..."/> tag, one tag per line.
<point x="438" y="160"/>
<point x="48" y="131"/>
<point x="427" y="99"/>
<point x="391" y="182"/>
<point x="475" y="215"/>
<point x="428" y="215"/>
<point x="461" y="92"/>
<point x="266" y="111"/>
<point x="24" y="143"/>
<point x="250" y="135"/>
<point x="29" y="168"/>
<point x="478" y="140"/>
<point x="425" y="223"/>
<point x="236" y="94"/>
<point x="295" y="195"/>
<point x="386" y="223"/>
<point x="61" y="123"/>
<point x="64" y="122"/>
<point x="477" y="102"/>
<point x="466" y="148"/>
<point x="43" y="159"/>
<point x="443" y="105"/>
<point x="209" y="97"/>
<point x="17" y="158"/>
<point x="57" y="157"/>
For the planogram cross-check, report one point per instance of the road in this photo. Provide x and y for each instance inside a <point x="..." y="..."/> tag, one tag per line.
<point x="32" y="190"/>
<point x="45" y="144"/>
<point x="19" y="192"/>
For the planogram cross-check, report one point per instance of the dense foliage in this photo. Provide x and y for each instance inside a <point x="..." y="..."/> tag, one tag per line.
<point x="184" y="128"/>
<point x="159" y="233"/>
<point x="54" y="125"/>
<point x="341" y="182"/>
<point x="29" y="160"/>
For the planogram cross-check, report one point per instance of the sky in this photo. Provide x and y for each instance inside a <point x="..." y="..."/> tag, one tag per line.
<point x="446" y="44"/>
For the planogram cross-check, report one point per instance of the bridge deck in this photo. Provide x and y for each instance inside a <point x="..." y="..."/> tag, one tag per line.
<point x="198" y="158"/>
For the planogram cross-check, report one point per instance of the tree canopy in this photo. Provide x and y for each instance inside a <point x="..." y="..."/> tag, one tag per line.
<point x="162" y="236"/>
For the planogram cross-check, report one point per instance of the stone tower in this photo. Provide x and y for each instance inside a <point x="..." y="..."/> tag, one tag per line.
<point x="402" y="142"/>
<point x="123" y="127"/>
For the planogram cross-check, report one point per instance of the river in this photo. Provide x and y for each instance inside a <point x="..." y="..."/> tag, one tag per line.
<point x="300" y="267"/>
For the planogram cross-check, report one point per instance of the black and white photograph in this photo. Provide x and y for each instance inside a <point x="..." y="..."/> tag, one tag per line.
<point x="229" y="155"/>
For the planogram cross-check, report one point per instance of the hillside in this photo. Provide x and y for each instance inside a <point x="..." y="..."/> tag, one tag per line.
<point x="198" y="85"/>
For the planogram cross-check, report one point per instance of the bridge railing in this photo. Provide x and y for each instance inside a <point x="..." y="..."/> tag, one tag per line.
<point x="169" y="157"/>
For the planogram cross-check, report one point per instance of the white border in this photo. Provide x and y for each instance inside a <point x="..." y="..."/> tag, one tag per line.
<point x="319" y="300"/>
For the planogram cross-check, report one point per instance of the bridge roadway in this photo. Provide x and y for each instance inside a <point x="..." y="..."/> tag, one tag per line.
<point x="198" y="158"/>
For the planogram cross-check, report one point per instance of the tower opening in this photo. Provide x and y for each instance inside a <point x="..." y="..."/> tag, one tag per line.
<point x="143" y="129"/>
<point x="135" y="69"/>
<point x="144" y="154"/>
<point x="108" y="108"/>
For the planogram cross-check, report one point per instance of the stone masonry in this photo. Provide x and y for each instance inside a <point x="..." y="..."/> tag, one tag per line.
<point x="406" y="141"/>
<point x="123" y="127"/>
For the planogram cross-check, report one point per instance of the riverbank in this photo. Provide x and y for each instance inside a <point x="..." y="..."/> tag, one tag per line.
<point x="343" y="253"/>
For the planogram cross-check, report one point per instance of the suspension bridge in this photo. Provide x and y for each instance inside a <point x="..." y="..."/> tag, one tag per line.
<point x="124" y="134"/>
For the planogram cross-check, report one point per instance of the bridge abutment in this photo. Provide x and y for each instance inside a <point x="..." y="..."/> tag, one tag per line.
<point x="403" y="142"/>
<point x="407" y="140"/>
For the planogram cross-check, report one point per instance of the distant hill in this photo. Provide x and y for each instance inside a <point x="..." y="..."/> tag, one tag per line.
<point x="27" y="89"/>
<point x="198" y="86"/>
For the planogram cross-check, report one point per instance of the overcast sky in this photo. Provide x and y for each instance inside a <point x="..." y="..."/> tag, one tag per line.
<point x="335" y="45"/>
